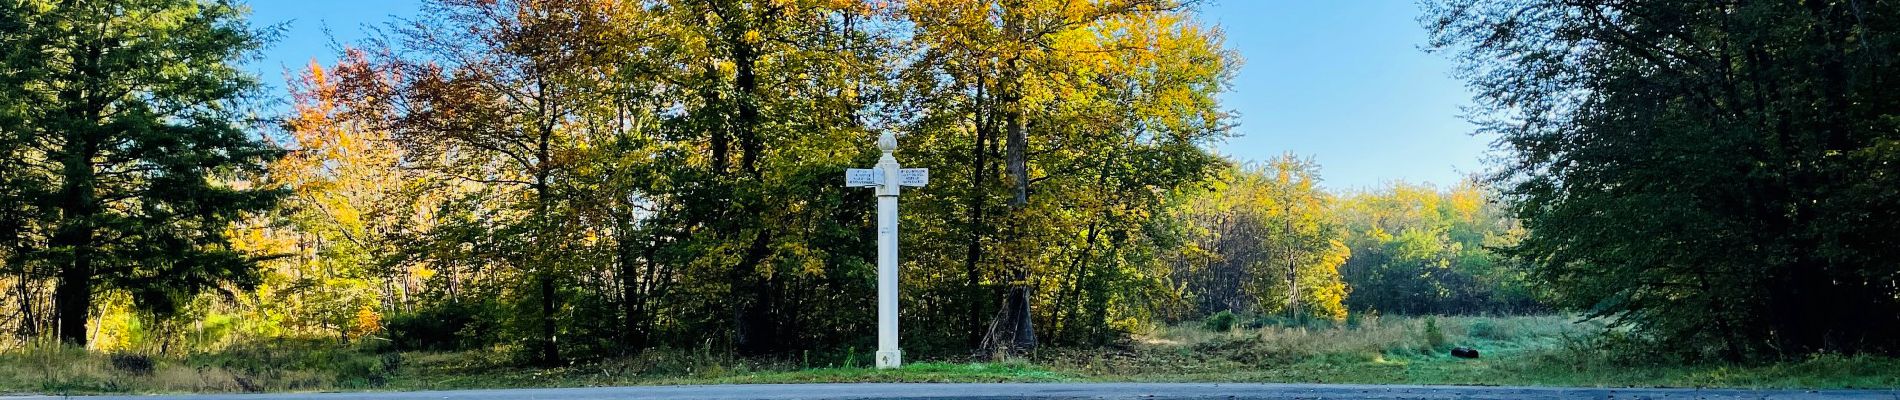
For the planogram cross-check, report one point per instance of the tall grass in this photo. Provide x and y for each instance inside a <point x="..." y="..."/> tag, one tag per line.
<point x="49" y="367"/>
<point x="1527" y="350"/>
<point x="1192" y="348"/>
<point x="1387" y="336"/>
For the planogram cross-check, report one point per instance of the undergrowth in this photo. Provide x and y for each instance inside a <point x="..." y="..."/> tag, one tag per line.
<point x="1526" y="350"/>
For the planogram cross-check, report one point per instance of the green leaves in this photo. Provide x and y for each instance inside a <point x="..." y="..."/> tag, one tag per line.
<point x="125" y="121"/>
<point x="1682" y="165"/>
<point x="1267" y="241"/>
<point x="1424" y="250"/>
<point x="589" y="177"/>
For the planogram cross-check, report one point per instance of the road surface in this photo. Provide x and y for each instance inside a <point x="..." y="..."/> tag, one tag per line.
<point x="1234" y="391"/>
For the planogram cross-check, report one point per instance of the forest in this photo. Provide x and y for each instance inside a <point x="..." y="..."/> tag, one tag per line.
<point x="567" y="181"/>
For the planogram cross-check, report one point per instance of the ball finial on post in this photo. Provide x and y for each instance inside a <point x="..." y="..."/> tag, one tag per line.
<point x="887" y="142"/>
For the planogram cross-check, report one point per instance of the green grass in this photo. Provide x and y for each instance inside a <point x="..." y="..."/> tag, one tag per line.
<point x="1539" y="350"/>
<point x="1529" y="351"/>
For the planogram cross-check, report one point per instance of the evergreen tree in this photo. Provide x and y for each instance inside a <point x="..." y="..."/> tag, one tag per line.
<point x="125" y="131"/>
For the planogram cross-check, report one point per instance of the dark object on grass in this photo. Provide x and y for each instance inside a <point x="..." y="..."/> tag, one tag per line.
<point x="246" y="384"/>
<point x="1464" y="352"/>
<point x="134" y="364"/>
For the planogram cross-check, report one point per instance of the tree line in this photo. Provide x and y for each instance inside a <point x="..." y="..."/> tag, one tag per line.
<point x="571" y="179"/>
<point x="589" y="178"/>
<point x="1718" y="174"/>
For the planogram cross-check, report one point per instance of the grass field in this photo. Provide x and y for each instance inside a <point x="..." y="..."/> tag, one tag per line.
<point x="1537" y="350"/>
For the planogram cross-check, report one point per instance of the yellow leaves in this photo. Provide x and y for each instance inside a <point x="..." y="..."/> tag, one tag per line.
<point x="367" y="322"/>
<point x="350" y="180"/>
<point x="346" y="215"/>
<point x="812" y="266"/>
<point x="1077" y="9"/>
<point x="725" y="68"/>
<point x="117" y="324"/>
<point x="1336" y="255"/>
<point x="1378" y="233"/>
<point x="1466" y="200"/>
<point x="1267" y="219"/>
<point x="256" y="239"/>
<point x="805" y="261"/>
<point x="316" y="74"/>
<point x="858" y="7"/>
<point x="848" y="92"/>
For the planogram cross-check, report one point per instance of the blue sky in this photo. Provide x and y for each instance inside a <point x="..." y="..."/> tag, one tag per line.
<point x="1342" y="81"/>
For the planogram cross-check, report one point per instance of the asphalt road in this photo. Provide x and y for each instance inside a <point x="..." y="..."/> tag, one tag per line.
<point x="1053" y="391"/>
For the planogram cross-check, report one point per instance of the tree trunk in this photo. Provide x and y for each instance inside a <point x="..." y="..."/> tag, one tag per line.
<point x="72" y="300"/>
<point x="550" y="350"/>
<point x="546" y="242"/>
<point x="747" y="84"/>
<point x="1014" y="321"/>
<point x="757" y="330"/>
<point x="29" y="321"/>
<point x="1063" y="310"/>
<point x="1293" y="287"/>
<point x="632" y="292"/>
<point x="720" y="141"/>
<point x="1017" y="148"/>
<point x="973" y="255"/>
<point x="78" y="206"/>
<point x="72" y="295"/>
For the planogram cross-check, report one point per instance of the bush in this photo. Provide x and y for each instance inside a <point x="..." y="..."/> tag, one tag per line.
<point x="1486" y="328"/>
<point x="1482" y="329"/>
<point x="1220" y="322"/>
<point x="446" y="327"/>
<point x="355" y="370"/>
<point x="1265" y="321"/>
<point x="1278" y="321"/>
<point x="134" y="364"/>
<point x="1434" y="338"/>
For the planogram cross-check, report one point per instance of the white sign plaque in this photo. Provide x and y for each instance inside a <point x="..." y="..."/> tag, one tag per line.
<point x="860" y="177"/>
<point x="913" y="176"/>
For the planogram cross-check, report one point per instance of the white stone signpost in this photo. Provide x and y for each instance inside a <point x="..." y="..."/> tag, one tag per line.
<point x="887" y="178"/>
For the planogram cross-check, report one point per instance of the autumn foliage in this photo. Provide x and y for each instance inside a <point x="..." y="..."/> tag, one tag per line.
<point x="567" y="179"/>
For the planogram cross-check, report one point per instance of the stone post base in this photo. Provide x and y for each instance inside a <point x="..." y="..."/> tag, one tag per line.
<point x="888" y="359"/>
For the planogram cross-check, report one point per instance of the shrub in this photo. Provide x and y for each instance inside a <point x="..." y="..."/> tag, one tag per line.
<point x="1221" y="322"/>
<point x="1488" y="328"/>
<point x="450" y="326"/>
<point x="134" y="364"/>
<point x="1434" y="338"/>
<point x="1265" y="321"/>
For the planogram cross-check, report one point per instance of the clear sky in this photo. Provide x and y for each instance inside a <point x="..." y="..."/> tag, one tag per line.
<point x="1342" y="81"/>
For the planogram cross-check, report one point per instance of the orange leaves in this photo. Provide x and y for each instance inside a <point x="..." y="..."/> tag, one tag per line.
<point x="367" y="322"/>
<point x="564" y="127"/>
<point x="332" y="140"/>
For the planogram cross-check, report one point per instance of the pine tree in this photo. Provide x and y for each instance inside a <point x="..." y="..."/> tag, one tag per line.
<point x="128" y="117"/>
